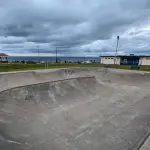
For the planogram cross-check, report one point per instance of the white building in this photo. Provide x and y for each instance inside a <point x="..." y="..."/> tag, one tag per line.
<point x="110" y="60"/>
<point x="144" y="61"/>
<point x="126" y="60"/>
<point x="3" y="57"/>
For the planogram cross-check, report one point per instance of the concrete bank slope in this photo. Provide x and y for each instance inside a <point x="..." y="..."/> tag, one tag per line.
<point x="146" y="145"/>
<point x="74" y="109"/>
<point x="21" y="78"/>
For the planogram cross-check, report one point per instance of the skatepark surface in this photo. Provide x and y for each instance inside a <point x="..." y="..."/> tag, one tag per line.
<point x="74" y="109"/>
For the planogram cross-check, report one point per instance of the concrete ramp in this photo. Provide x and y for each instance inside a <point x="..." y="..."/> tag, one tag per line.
<point x="74" y="109"/>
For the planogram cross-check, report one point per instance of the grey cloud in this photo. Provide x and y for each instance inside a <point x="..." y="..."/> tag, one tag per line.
<point x="13" y="46"/>
<point x="42" y="50"/>
<point x="11" y="41"/>
<point x="38" y="39"/>
<point x="73" y="23"/>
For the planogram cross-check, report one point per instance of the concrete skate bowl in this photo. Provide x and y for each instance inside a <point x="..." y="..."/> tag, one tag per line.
<point x="89" y="109"/>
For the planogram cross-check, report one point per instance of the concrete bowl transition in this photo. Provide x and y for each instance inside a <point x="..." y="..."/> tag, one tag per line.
<point x="74" y="109"/>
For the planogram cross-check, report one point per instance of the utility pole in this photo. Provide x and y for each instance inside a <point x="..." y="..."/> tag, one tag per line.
<point x="116" y="49"/>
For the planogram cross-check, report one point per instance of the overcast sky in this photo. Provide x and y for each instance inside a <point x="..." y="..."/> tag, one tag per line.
<point x="88" y="27"/>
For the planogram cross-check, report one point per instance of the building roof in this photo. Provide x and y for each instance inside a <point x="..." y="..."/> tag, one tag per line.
<point x="3" y="54"/>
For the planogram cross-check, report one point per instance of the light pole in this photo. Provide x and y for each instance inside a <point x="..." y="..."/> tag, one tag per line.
<point x="56" y="56"/>
<point x="100" y="57"/>
<point x="84" y="57"/>
<point x="38" y="51"/>
<point x="116" y="49"/>
<point x="57" y="51"/>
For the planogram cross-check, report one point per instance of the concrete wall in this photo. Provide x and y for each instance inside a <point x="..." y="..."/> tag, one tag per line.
<point x="145" y="61"/>
<point x="109" y="60"/>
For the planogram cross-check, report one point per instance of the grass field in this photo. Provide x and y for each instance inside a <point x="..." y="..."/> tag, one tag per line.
<point x="19" y="67"/>
<point x="144" y="68"/>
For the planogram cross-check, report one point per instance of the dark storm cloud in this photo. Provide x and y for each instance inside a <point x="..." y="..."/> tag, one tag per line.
<point x="73" y="23"/>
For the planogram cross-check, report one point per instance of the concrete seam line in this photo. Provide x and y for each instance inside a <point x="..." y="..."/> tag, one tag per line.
<point x="140" y="142"/>
<point x="55" y="81"/>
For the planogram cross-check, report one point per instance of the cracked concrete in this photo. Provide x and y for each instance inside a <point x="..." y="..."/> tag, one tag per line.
<point x="74" y="109"/>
